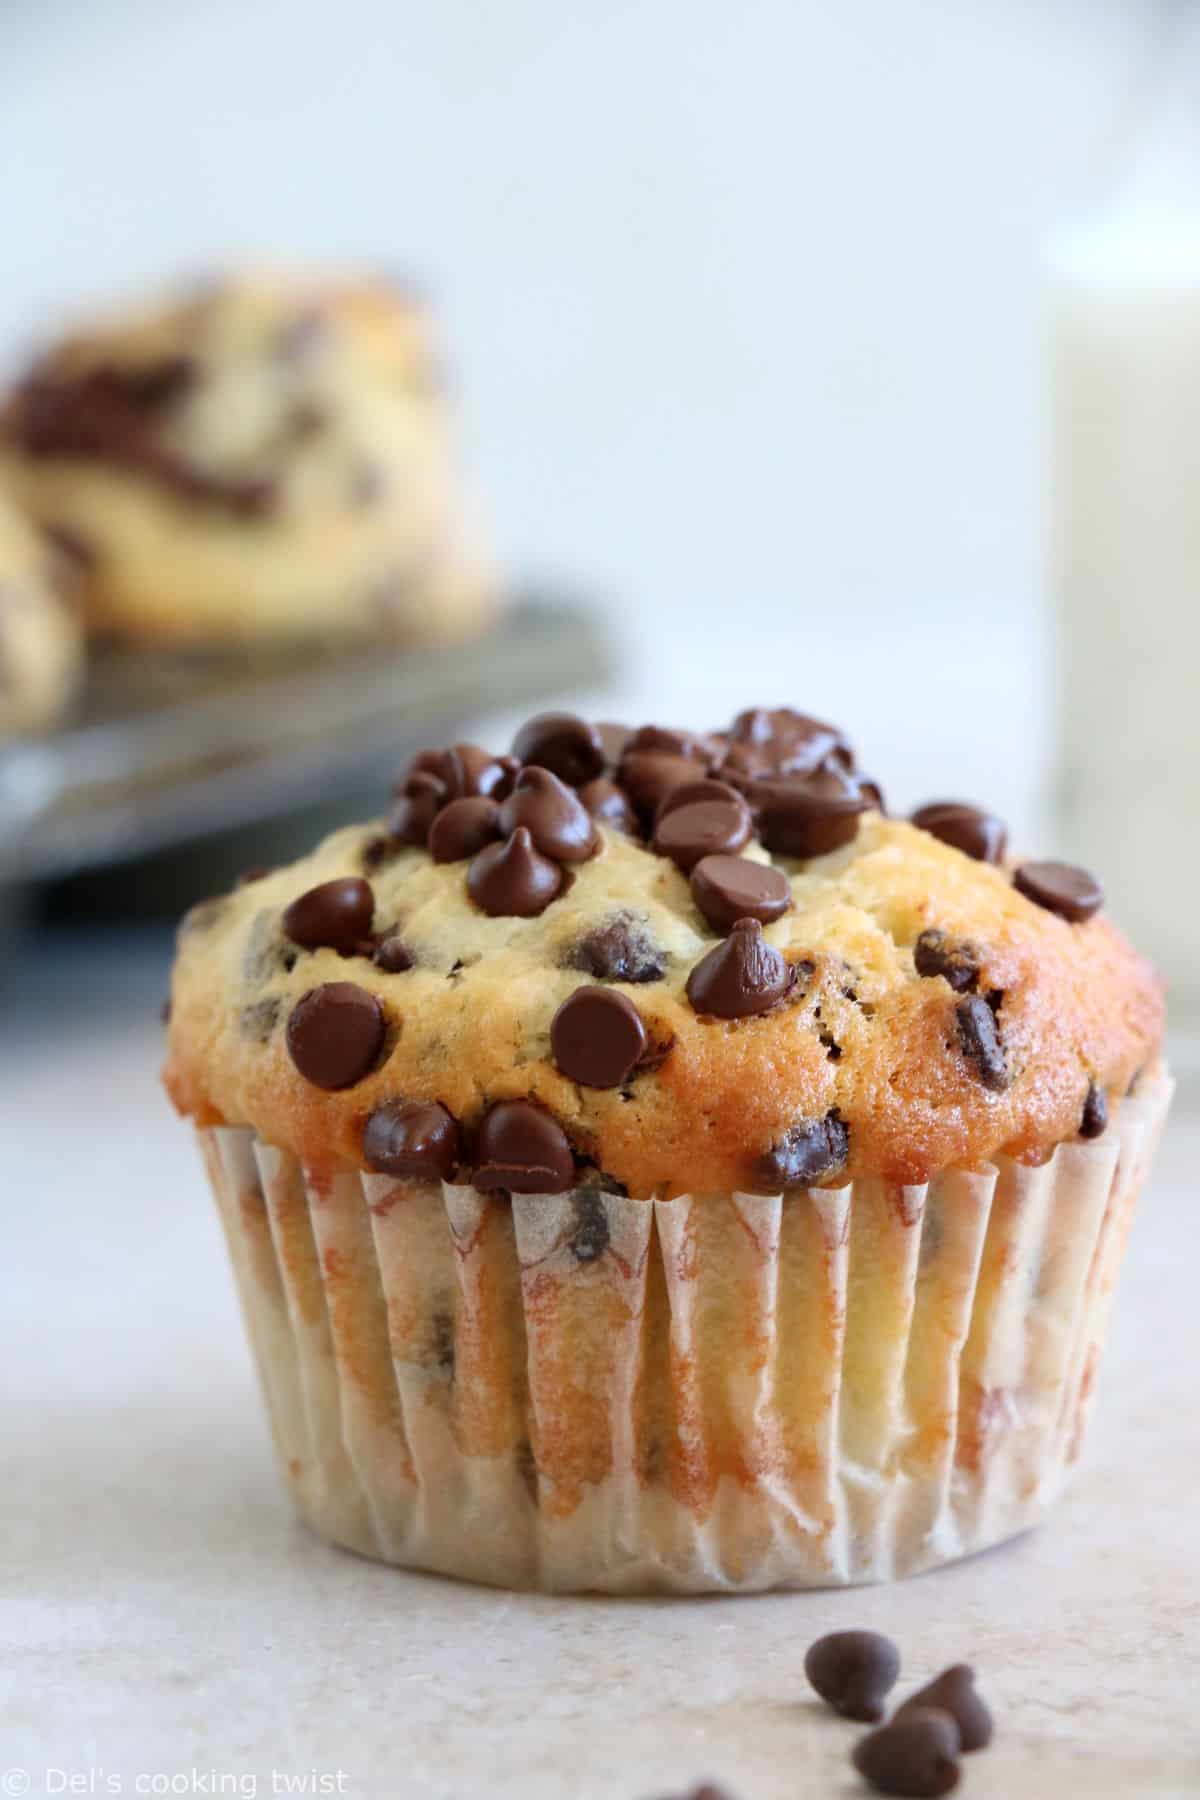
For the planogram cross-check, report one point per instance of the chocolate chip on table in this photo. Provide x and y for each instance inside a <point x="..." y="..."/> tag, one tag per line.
<point x="1094" y="1122"/>
<point x="954" y="1692"/>
<point x="511" y="879"/>
<point x="1061" y="888"/>
<point x="558" y="822"/>
<point x="334" y="915"/>
<point x="597" y="1037"/>
<point x="976" y="833"/>
<point x="729" y="888"/>
<point x="520" y="1147"/>
<point x="618" y="950"/>
<point x="417" y="1139"/>
<point x="609" y="805"/>
<point x="955" y="960"/>
<point x="854" y="1671"/>
<point x="740" y="978"/>
<point x="568" y="746"/>
<point x="335" y="1034"/>
<point x="872" y="793"/>
<point x="804" y="1154"/>
<point x="416" y="808"/>
<point x="979" y="1041"/>
<point x="915" y="1756"/>
<point x="392" y="955"/>
<point x="688" y="833"/>
<point x="463" y="828"/>
<point x="809" y="815"/>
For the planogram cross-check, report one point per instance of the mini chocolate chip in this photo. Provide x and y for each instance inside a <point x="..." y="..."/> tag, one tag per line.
<point x="416" y="808"/>
<point x="414" y="1138"/>
<point x="597" y="1037"/>
<point x="258" y="1020"/>
<point x="609" y="805"/>
<point x="522" y="1148"/>
<point x="648" y="776"/>
<point x="511" y="880"/>
<point x="804" y="1154"/>
<point x="809" y="815"/>
<point x="589" y="1240"/>
<point x="558" y="822"/>
<point x="729" y="888"/>
<point x="335" y="1033"/>
<point x="619" y="950"/>
<point x="953" y="1691"/>
<point x="976" y="833"/>
<point x="700" y="828"/>
<point x="1061" y="888"/>
<point x="392" y="955"/>
<point x="979" y="1040"/>
<point x="334" y="915"/>
<point x="916" y="1755"/>
<point x="568" y="746"/>
<point x="957" y="961"/>
<point x="463" y="828"/>
<point x="1094" y="1122"/>
<point x="740" y="978"/>
<point x="854" y="1671"/>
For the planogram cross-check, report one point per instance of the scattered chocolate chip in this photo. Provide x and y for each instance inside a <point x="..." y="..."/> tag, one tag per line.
<point x="1094" y="1122"/>
<point x="976" y="833"/>
<point x="648" y="776"/>
<point x="609" y="805"/>
<point x="258" y="1020"/>
<point x="618" y="950"/>
<point x="740" y="978"/>
<point x="334" y="915"/>
<point x="589" y="1240"/>
<point x="1061" y="888"/>
<point x="417" y="1139"/>
<point x="804" y="1154"/>
<point x="916" y="1755"/>
<point x="854" y="1671"/>
<point x="559" y="824"/>
<point x="956" y="961"/>
<point x="463" y="828"/>
<point x="954" y="1692"/>
<point x="392" y="955"/>
<point x="511" y="880"/>
<point x="597" y="1037"/>
<point x="522" y="1148"/>
<point x="568" y="746"/>
<point x="335" y="1033"/>
<point x="979" y="1040"/>
<point x="416" y="808"/>
<point x="729" y="888"/>
<point x="699" y="828"/>
<point x="810" y="815"/>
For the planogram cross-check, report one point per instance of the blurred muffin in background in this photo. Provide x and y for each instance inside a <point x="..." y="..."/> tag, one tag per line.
<point x="264" y="461"/>
<point x="41" y="645"/>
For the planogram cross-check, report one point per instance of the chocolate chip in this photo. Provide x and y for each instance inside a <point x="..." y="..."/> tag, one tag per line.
<point x="559" y="824"/>
<point x="334" y="915"/>
<point x="700" y="828"/>
<point x="597" y="1037"/>
<point x="417" y="1139"/>
<point x="1094" y="1122"/>
<point x="854" y="1671"/>
<point x="619" y="950"/>
<point x="568" y="746"/>
<point x="416" y="808"/>
<point x="810" y="815"/>
<point x="589" y="1240"/>
<point x="977" y="834"/>
<point x="463" y="828"/>
<point x="661" y="740"/>
<point x="706" y="788"/>
<point x="511" y="880"/>
<point x="392" y="955"/>
<point x="1061" y="888"/>
<point x="258" y="1020"/>
<point x="729" y="888"/>
<point x="979" y="1040"/>
<point x="335" y="1033"/>
<point x="953" y="1692"/>
<point x="740" y="978"/>
<point x="916" y="1755"/>
<point x="789" y="742"/>
<point x="648" y="776"/>
<point x="609" y="805"/>
<point x="956" y="961"/>
<point x="804" y="1154"/>
<point x="522" y="1148"/>
<point x="614" y="738"/>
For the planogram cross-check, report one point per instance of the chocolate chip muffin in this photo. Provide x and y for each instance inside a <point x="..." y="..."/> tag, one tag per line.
<point x="40" y="639"/>
<point x="261" y="462"/>
<point x="647" y="1164"/>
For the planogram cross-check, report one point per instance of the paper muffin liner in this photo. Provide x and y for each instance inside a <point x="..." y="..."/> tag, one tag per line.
<point x="718" y="1392"/>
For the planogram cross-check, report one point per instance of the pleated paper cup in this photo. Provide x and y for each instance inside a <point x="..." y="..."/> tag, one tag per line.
<point x="714" y="1393"/>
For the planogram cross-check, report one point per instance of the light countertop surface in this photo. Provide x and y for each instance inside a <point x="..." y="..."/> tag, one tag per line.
<point x="170" y="1629"/>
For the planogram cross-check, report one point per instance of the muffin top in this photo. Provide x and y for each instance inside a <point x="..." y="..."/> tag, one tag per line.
<point x="41" y="645"/>
<point x="665" y="960"/>
<point x="267" y="456"/>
